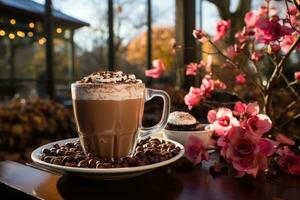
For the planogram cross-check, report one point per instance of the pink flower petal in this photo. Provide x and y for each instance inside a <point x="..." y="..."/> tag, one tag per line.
<point x="239" y="108"/>
<point x="252" y="109"/>
<point x="211" y="116"/>
<point x="267" y="147"/>
<point x="224" y="112"/>
<point x="195" y="150"/>
<point x="284" y="139"/>
<point x="157" y="70"/>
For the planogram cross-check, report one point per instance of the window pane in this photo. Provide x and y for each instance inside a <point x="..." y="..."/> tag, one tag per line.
<point x="130" y="36"/>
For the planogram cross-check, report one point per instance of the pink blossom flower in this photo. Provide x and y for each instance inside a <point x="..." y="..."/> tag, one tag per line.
<point x="246" y="154"/>
<point x="241" y="36"/>
<point x="267" y="31"/>
<point x="240" y="79"/>
<point x="288" y="161"/>
<point x="259" y="124"/>
<point x="231" y="53"/>
<point x="273" y="48"/>
<point x="287" y="42"/>
<point x="221" y="29"/>
<point x="284" y="139"/>
<point x="194" y="97"/>
<point x="192" y="69"/>
<point x="206" y="65"/>
<point x="219" y="85"/>
<point x="207" y="85"/>
<point x="195" y="150"/>
<point x="200" y="35"/>
<point x="251" y="18"/>
<point x="157" y="70"/>
<point x="222" y="120"/>
<point x="257" y="56"/>
<point x="246" y="110"/>
<point x="297" y="76"/>
<point x="239" y="108"/>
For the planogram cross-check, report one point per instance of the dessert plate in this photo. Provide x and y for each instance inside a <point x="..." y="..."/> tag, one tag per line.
<point x="101" y="173"/>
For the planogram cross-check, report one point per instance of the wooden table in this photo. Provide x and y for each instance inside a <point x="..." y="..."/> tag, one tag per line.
<point x="23" y="182"/>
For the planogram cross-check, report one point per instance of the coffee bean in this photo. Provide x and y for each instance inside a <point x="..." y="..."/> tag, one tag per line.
<point x="107" y="165"/>
<point x="60" y="152"/>
<point x="68" y="164"/>
<point x="91" y="156"/>
<point x="99" y="165"/>
<point x="57" y="161"/>
<point x="56" y="146"/>
<point x="140" y="163"/>
<point x="67" y="159"/>
<point x="53" y="153"/>
<point x="92" y="163"/>
<point x="69" y="144"/>
<point x="48" y="159"/>
<point x="46" y="152"/>
<point x="79" y="158"/>
<point x="83" y="164"/>
<point x="154" y="141"/>
<point x="139" y="149"/>
<point x="68" y="153"/>
<point x="131" y="160"/>
<point x="175" y="151"/>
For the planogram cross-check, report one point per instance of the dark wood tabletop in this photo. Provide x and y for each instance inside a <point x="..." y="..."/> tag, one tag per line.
<point x="171" y="182"/>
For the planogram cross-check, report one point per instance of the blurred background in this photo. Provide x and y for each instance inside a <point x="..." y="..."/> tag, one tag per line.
<point x="46" y="45"/>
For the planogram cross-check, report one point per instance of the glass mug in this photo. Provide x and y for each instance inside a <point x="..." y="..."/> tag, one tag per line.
<point x="109" y="117"/>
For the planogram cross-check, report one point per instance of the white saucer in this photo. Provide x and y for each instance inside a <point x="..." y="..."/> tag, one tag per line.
<point x="101" y="174"/>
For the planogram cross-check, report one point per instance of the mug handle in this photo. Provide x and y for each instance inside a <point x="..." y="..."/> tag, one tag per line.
<point x="150" y="93"/>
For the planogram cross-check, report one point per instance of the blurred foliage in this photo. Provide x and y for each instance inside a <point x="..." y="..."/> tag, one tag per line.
<point x="162" y="38"/>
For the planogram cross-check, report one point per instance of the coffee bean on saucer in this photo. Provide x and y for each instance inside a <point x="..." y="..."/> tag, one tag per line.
<point x="57" y="161"/>
<point x="67" y="159"/>
<point x="107" y="165"/>
<point x="175" y="151"/>
<point x="68" y="164"/>
<point x="48" y="159"/>
<point x="92" y="163"/>
<point x="83" y="164"/>
<point x="139" y="149"/>
<point x="154" y="141"/>
<point x="91" y="156"/>
<point x="46" y="152"/>
<point x="131" y="160"/>
<point x="56" y="146"/>
<point x="60" y="152"/>
<point x="69" y="144"/>
<point x="99" y="165"/>
<point x="79" y="158"/>
<point x="68" y="153"/>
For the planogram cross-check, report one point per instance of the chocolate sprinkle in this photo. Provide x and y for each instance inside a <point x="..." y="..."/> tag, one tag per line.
<point x="110" y="77"/>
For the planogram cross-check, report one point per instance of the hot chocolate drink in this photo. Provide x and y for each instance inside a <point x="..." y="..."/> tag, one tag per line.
<point x="108" y="108"/>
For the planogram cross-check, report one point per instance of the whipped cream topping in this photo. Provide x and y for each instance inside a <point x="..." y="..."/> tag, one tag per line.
<point x="116" y="86"/>
<point x="181" y="118"/>
<point x="110" y="77"/>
